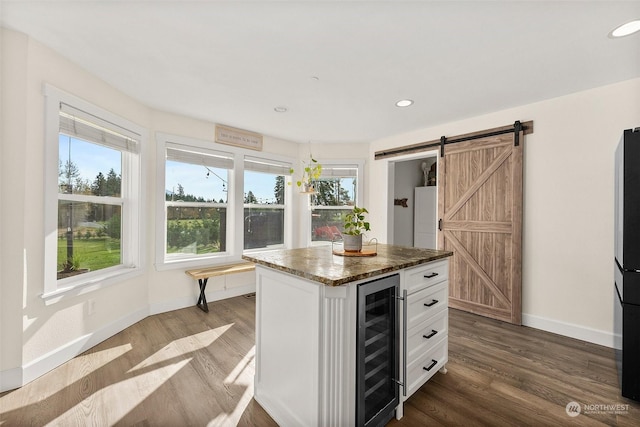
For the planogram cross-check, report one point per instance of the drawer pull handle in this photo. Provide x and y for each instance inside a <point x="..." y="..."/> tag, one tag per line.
<point x="432" y="303"/>
<point x="433" y="363"/>
<point x="433" y="332"/>
<point x="429" y="276"/>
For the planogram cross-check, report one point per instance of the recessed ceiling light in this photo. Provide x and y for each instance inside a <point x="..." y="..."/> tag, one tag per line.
<point x="280" y="109"/>
<point x="404" y="103"/>
<point x="626" y="29"/>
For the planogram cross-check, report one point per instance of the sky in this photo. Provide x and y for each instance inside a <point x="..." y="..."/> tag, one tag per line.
<point x="92" y="159"/>
<point x="89" y="158"/>
<point x="195" y="181"/>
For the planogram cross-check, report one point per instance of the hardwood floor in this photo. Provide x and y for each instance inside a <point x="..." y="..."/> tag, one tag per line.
<point x="180" y="368"/>
<point x="500" y="374"/>
<point x="187" y="367"/>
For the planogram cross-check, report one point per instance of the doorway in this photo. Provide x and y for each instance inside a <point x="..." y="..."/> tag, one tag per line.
<point x="480" y="195"/>
<point x="408" y="215"/>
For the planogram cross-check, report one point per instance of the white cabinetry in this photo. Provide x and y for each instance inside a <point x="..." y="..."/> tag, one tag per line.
<point x="425" y="324"/>
<point x="425" y="214"/>
<point x="305" y="350"/>
<point x="306" y="342"/>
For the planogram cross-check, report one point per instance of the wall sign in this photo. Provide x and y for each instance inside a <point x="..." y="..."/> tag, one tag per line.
<point x="238" y="137"/>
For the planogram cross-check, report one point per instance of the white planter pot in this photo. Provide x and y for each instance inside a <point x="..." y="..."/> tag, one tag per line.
<point x="307" y="188"/>
<point x="352" y="243"/>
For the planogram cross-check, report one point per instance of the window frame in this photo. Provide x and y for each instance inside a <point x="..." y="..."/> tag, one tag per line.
<point x="286" y="206"/>
<point x="328" y="164"/>
<point x="130" y="200"/>
<point x="235" y="203"/>
<point x="162" y="258"/>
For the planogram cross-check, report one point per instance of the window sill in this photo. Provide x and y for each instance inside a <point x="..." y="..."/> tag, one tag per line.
<point x="260" y="250"/>
<point x="93" y="283"/>
<point x="183" y="263"/>
<point x="179" y="263"/>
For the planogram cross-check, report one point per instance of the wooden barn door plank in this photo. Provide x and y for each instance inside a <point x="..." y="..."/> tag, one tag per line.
<point x="480" y="207"/>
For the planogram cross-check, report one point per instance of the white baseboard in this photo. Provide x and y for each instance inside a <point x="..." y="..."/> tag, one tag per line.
<point x="17" y="377"/>
<point x="571" y="330"/>
<point x="281" y="415"/>
<point x="10" y="379"/>
<point x="217" y="295"/>
<point x="62" y="354"/>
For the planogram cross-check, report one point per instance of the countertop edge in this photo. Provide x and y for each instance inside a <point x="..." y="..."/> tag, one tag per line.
<point x="349" y="279"/>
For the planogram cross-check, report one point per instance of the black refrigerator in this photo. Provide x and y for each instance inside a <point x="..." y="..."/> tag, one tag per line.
<point x="627" y="262"/>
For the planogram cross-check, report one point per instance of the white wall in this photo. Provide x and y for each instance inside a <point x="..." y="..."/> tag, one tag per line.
<point x="568" y="211"/>
<point x="12" y="162"/>
<point x="36" y="336"/>
<point x="408" y="175"/>
<point x="172" y="289"/>
<point x="568" y="202"/>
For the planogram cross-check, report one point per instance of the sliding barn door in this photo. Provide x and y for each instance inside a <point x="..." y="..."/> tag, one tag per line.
<point x="480" y="207"/>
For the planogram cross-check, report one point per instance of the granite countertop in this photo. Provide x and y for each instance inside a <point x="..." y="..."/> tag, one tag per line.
<point x="321" y="265"/>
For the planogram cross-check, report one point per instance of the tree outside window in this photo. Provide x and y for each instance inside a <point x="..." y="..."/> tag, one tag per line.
<point x="196" y="188"/>
<point x="336" y="194"/>
<point x="264" y="208"/>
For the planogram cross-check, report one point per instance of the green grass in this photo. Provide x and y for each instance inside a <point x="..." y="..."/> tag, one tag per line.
<point x="94" y="253"/>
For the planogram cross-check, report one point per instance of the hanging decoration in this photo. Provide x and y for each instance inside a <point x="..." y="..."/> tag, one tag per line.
<point x="311" y="172"/>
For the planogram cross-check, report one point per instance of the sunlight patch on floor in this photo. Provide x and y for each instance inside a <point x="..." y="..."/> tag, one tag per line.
<point x="174" y="349"/>
<point x="241" y="367"/>
<point x="229" y="419"/>
<point x="110" y="404"/>
<point x="75" y="370"/>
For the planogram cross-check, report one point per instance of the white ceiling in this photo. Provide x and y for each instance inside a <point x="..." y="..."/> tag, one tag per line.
<point x="232" y="62"/>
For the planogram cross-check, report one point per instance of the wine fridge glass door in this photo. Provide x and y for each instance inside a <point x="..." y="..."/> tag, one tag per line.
<point x="377" y="351"/>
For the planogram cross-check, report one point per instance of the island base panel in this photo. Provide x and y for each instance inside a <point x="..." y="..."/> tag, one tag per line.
<point x="287" y="324"/>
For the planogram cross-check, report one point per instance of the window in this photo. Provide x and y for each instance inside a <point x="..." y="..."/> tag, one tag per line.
<point x="214" y="204"/>
<point x="196" y="204"/>
<point x="92" y="227"/>
<point x="337" y="191"/>
<point x="264" y="203"/>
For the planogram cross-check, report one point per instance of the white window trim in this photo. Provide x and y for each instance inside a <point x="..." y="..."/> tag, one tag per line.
<point x="285" y="165"/>
<point x="133" y="181"/>
<point x="288" y="202"/>
<point x="306" y="225"/>
<point x="235" y="204"/>
<point x="163" y="262"/>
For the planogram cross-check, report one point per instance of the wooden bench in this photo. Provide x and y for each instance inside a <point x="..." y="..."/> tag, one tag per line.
<point x="203" y="274"/>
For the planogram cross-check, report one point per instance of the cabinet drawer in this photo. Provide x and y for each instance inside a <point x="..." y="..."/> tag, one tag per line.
<point x="426" y="275"/>
<point x="424" y="368"/>
<point x="422" y="338"/>
<point x="426" y="303"/>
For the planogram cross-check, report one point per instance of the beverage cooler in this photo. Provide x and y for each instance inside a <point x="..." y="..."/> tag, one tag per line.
<point x="377" y="336"/>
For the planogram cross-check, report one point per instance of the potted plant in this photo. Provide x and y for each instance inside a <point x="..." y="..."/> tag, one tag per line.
<point x="71" y="267"/>
<point x="354" y="226"/>
<point x="310" y="172"/>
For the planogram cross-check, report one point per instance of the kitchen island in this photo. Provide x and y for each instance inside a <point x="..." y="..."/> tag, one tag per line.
<point x="307" y="321"/>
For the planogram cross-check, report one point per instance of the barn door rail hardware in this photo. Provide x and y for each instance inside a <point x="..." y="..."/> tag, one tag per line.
<point x="516" y="128"/>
